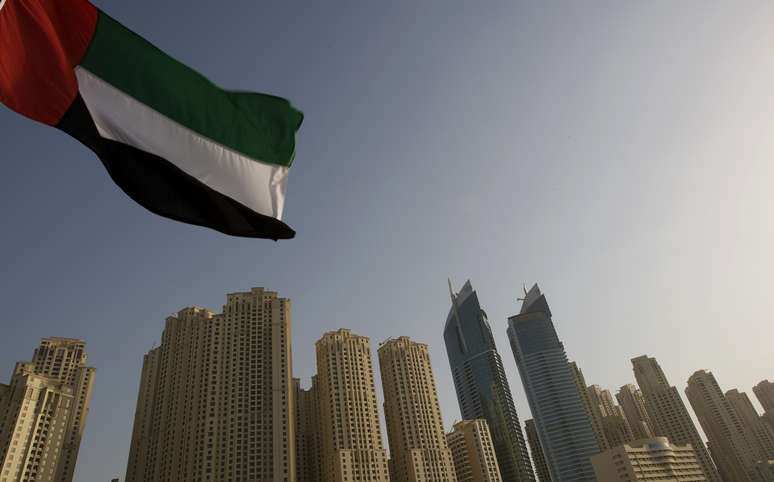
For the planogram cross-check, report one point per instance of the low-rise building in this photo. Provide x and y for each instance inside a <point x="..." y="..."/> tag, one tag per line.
<point x="648" y="459"/>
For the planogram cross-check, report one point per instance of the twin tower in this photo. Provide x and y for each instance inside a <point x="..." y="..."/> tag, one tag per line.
<point x="560" y="420"/>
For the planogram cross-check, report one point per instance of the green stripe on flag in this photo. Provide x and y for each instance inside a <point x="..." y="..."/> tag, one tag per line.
<point x="259" y="126"/>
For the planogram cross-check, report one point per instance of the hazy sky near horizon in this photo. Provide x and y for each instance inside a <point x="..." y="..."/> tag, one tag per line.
<point x="617" y="153"/>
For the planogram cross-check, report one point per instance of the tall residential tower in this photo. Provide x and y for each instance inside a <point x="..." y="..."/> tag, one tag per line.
<point x="43" y="413"/>
<point x="216" y="397"/>
<point x="473" y="452"/>
<point x="308" y="442"/>
<point x="667" y="412"/>
<point x="633" y="404"/>
<point x="760" y="432"/>
<point x="561" y="420"/>
<point x="351" y="438"/>
<point x="480" y="382"/>
<point x="418" y="448"/>
<point x="764" y="392"/>
<point x="538" y="458"/>
<point x="733" y="448"/>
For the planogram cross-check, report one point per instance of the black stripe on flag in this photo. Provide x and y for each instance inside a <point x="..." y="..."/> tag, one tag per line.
<point x="164" y="189"/>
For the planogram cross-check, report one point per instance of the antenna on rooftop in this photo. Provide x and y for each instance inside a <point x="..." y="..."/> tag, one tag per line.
<point x="523" y="287"/>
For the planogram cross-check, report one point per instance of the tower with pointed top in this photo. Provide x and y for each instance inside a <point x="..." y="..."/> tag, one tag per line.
<point x="561" y="421"/>
<point x="480" y="382"/>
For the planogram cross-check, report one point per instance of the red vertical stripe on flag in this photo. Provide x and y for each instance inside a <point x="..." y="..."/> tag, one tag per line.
<point x="41" y="41"/>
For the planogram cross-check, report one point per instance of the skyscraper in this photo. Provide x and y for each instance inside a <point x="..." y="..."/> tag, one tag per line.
<point x="752" y="423"/>
<point x="633" y="404"/>
<point x="43" y="413"/>
<point x="308" y="441"/>
<point x="596" y="422"/>
<point x="418" y="448"/>
<point x="538" y="458"/>
<point x="352" y="448"/>
<point x="614" y="424"/>
<point x="733" y="448"/>
<point x="473" y="452"/>
<point x="216" y="397"/>
<point x="563" y="426"/>
<point x="667" y="412"/>
<point x="480" y="383"/>
<point x="764" y="391"/>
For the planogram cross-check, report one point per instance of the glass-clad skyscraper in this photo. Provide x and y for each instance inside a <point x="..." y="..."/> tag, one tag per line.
<point x="562" y="424"/>
<point x="479" y="379"/>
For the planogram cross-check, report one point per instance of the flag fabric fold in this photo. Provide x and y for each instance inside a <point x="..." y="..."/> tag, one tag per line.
<point x="172" y="140"/>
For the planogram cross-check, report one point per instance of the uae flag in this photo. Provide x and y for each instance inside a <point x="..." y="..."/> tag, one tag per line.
<point x="172" y="140"/>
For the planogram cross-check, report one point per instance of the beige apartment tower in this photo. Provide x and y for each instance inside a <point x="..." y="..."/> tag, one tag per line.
<point x="216" y="397"/>
<point x="418" y="448"/>
<point x="633" y="405"/>
<point x="614" y="424"/>
<point x="538" y="458"/>
<point x="648" y="459"/>
<point x="733" y="448"/>
<point x="668" y="413"/>
<point x="596" y="422"/>
<point x="43" y="413"/>
<point x="473" y="452"/>
<point x="352" y="448"/>
<point x="308" y="441"/>
<point x="761" y="433"/>
<point x="764" y="391"/>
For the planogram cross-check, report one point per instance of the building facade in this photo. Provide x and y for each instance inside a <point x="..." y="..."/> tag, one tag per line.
<point x="473" y="452"/>
<point x="418" y="448"/>
<point x="596" y="422"/>
<point x="352" y="447"/>
<point x="668" y="413"/>
<point x="308" y="441"/>
<point x="648" y="459"/>
<point x="538" y="459"/>
<point x="633" y="405"/>
<point x="216" y="397"/>
<point x="765" y="470"/>
<point x="733" y="448"/>
<point x="764" y="392"/>
<point x="43" y="413"/>
<point x="761" y="434"/>
<point x="480" y="382"/>
<point x="614" y="424"/>
<point x="563" y="426"/>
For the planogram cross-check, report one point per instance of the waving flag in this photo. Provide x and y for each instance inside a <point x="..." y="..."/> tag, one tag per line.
<point x="173" y="141"/>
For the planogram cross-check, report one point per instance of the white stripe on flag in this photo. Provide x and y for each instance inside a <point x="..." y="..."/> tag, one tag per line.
<point x="259" y="186"/>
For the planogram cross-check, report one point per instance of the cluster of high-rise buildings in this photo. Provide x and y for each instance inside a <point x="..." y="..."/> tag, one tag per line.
<point x="218" y="402"/>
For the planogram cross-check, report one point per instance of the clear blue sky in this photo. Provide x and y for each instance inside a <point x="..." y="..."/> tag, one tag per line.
<point x="619" y="153"/>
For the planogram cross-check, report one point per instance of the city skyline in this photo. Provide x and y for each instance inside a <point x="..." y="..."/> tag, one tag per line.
<point x="480" y="382"/>
<point x="735" y="406"/>
<point x="617" y="152"/>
